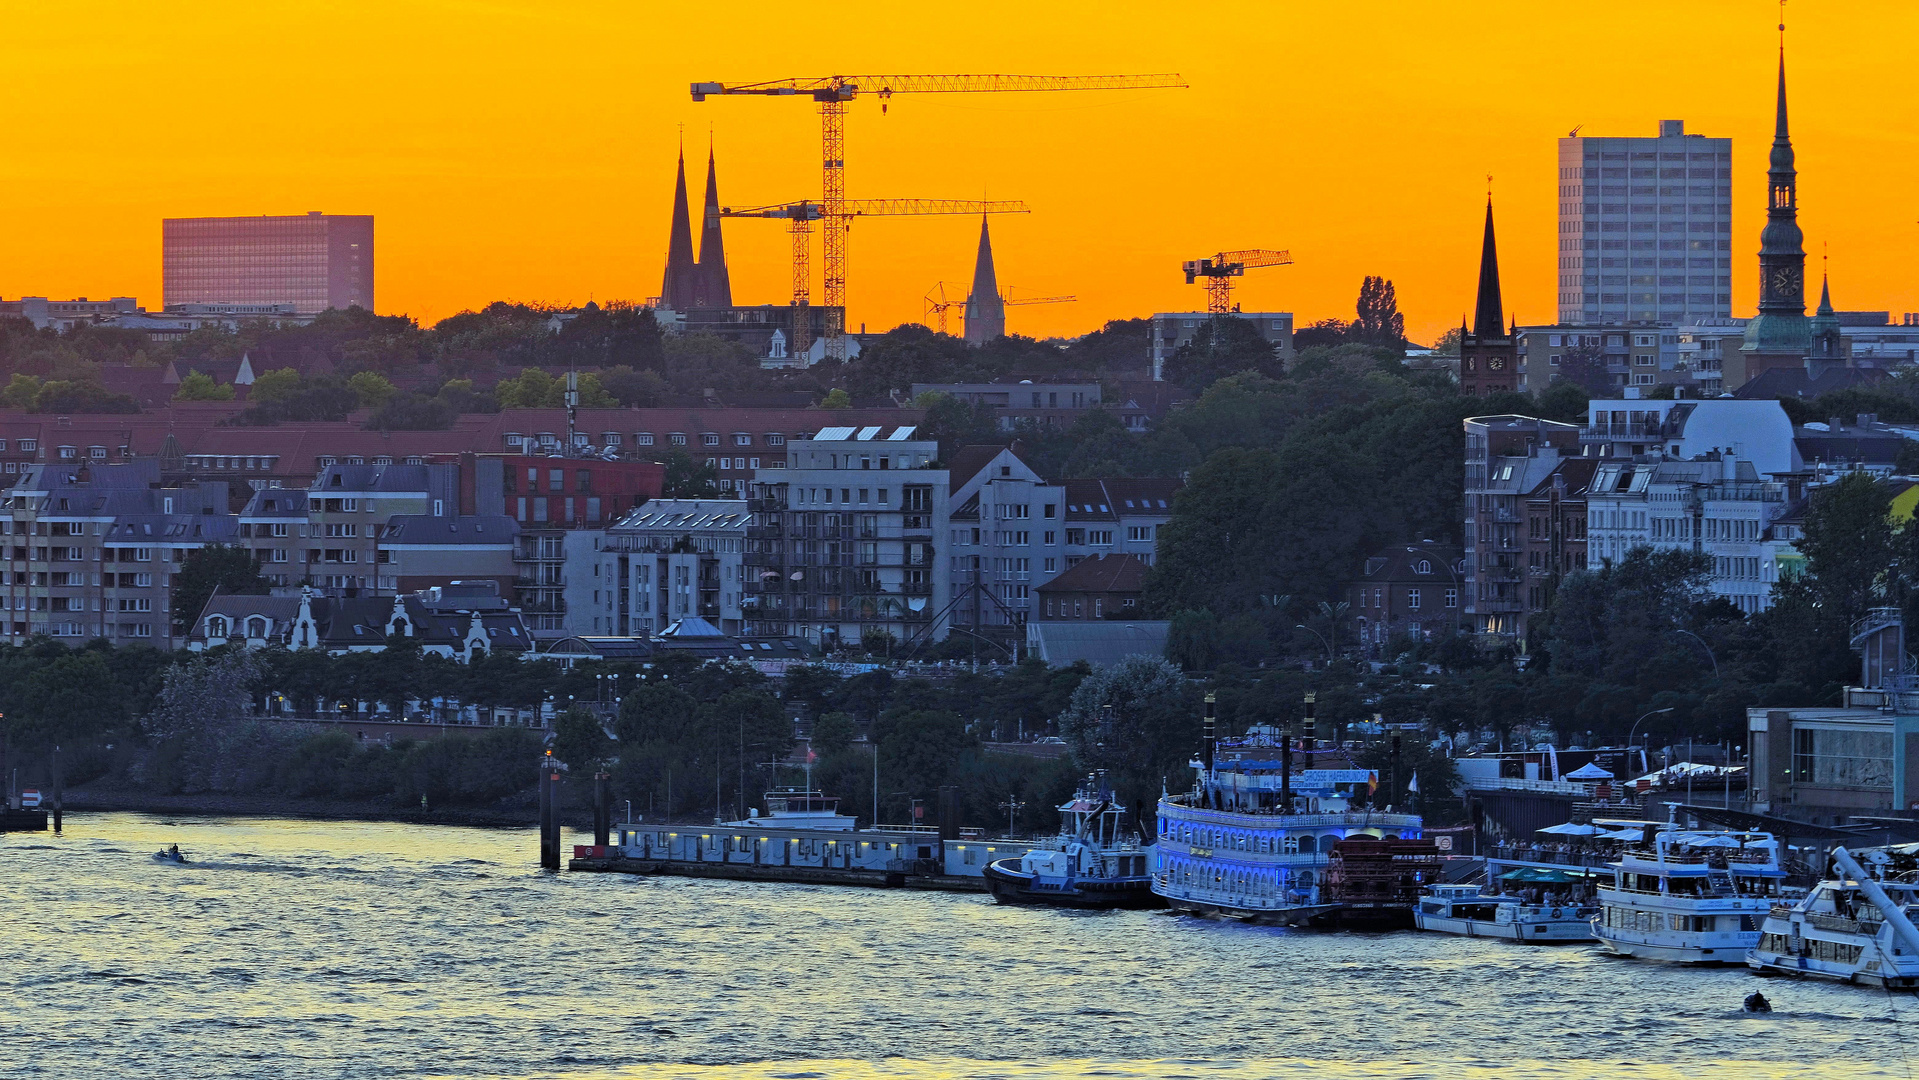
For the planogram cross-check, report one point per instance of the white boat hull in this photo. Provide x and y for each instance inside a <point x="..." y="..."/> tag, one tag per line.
<point x="1715" y="948"/>
<point x="1539" y="931"/>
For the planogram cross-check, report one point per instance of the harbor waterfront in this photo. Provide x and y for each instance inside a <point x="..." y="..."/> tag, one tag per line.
<point x="350" y="949"/>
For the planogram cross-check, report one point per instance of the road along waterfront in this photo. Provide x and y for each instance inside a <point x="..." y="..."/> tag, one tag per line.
<point x="348" y="949"/>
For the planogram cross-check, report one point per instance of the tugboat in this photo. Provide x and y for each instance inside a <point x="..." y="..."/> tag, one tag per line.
<point x="1259" y="841"/>
<point x="1855" y="927"/>
<point x="1091" y="864"/>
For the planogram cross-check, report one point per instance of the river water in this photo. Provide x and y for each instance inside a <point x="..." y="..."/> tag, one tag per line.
<point x="295" y="949"/>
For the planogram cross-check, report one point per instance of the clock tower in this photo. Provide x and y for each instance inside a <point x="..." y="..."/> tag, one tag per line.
<point x="1781" y="336"/>
<point x="1488" y="349"/>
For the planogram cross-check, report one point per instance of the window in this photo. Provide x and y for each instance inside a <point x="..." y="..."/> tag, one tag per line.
<point x="1412" y="599"/>
<point x="1139" y="533"/>
<point x="1452" y="598"/>
<point x="741" y="438"/>
<point x="644" y="438"/>
<point x="710" y="439"/>
<point x="676" y="439"/>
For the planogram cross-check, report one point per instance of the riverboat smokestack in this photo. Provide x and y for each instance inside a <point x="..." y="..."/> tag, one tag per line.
<point x="1311" y="741"/>
<point x="1208" y="736"/>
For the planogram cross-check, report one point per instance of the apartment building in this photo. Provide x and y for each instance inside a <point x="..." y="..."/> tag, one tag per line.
<point x="92" y="550"/>
<point x="1173" y="329"/>
<point x="1024" y="402"/>
<point x="1508" y="458"/>
<point x="1718" y="504"/>
<point x="664" y="561"/>
<point x="841" y="542"/>
<point x="1407" y="590"/>
<point x="1645" y="228"/>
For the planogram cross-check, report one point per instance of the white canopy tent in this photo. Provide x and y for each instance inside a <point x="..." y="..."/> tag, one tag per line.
<point x="1589" y="771"/>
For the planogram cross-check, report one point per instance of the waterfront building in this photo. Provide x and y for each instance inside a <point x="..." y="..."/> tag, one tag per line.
<point x="663" y="561"/>
<point x="842" y="542"/>
<point x="92" y="549"/>
<point x="1645" y="228"/>
<point x="462" y="621"/>
<point x="1172" y="329"/>
<point x="313" y="261"/>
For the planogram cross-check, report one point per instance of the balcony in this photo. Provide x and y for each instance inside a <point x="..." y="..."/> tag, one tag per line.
<point x="1629" y="431"/>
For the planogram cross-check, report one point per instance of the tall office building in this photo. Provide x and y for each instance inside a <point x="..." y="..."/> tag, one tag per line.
<point x="314" y="261"/>
<point x="1645" y="228"/>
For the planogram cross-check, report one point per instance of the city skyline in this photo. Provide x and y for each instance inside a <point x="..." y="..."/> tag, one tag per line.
<point x="582" y="217"/>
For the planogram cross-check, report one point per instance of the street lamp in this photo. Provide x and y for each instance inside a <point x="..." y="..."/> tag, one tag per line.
<point x="1703" y="645"/>
<point x="1635" y="732"/>
<point x="1320" y="636"/>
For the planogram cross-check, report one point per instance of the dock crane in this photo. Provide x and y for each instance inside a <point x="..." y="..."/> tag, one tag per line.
<point x="938" y="305"/>
<point x="1220" y="270"/>
<point x="801" y="216"/>
<point x="832" y="93"/>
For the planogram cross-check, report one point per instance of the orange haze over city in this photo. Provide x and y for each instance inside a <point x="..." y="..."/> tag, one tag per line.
<point x="524" y="151"/>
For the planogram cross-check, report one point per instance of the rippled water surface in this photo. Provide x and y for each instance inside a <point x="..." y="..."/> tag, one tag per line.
<point x="296" y="949"/>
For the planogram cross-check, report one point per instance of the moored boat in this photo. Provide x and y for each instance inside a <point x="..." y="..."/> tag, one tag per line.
<point x="1689" y="896"/>
<point x="1260" y="840"/>
<point x="1857" y="926"/>
<point x="1093" y="863"/>
<point x="1469" y="910"/>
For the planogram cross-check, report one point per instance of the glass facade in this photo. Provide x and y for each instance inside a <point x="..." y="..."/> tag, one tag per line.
<point x="313" y="261"/>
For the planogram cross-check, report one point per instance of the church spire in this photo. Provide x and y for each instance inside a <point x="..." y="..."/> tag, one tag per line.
<point x="985" y="311"/>
<point x="1781" y="328"/>
<point x="679" y="291"/>
<point x="1489" y="317"/>
<point x="716" y="288"/>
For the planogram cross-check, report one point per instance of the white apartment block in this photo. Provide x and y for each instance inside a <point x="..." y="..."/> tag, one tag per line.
<point x="666" y="560"/>
<point x="1718" y="505"/>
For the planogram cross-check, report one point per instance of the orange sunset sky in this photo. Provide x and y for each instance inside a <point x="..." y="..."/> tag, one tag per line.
<point x="524" y="151"/>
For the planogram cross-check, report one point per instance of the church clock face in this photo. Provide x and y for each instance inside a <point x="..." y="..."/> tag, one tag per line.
<point x="1785" y="281"/>
<point x="1496" y="362"/>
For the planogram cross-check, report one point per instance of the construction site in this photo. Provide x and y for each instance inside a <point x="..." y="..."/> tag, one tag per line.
<point x="696" y="292"/>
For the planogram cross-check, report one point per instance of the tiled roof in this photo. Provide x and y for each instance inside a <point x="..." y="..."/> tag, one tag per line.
<point x="1101" y="573"/>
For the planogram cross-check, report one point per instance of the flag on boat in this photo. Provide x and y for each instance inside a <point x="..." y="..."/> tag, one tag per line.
<point x="1372" y="782"/>
<point x="1413" y="787"/>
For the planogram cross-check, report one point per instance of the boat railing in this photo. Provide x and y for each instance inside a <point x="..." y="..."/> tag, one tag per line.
<point x="1839" y="923"/>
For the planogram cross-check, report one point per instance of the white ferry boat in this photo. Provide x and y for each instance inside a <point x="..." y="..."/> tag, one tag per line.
<point x="1689" y="896"/>
<point x="1857" y="926"/>
<point x="1094" y="862"/>
<point x="1467" y="910"/>
<point x="1259" y="839"/>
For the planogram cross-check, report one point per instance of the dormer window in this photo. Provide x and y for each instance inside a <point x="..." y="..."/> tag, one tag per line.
<point x="218" y="626"/>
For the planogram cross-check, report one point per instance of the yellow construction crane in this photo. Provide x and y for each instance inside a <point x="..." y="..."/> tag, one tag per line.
<point x="1220" y="270"/>
<point x="833" y="92"/>
<point x="802" y="215"/>
<point x="937" y="305"/>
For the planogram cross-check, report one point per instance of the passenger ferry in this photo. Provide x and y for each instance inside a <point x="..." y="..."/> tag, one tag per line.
<point x="1258" y="840"/>
<point x="1857" y="926"/>
<point x="1095" y="862"/>
<point x="1466" y="909"/>
<point x="1693" y="897"/>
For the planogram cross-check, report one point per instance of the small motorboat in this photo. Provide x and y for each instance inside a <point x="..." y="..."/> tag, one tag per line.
<point x="1756" y="1003"/>
<point x="170" y="855"/>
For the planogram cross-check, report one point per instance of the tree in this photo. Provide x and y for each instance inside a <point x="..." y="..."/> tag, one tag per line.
<point x="1379" y="322"/>
<point x="640" y="389"/>
<point x="687" y="479"/>
<point x="1325" y="333"/>
<point x="21" y="390"/>
<point x="275" y="387"/>
<point x="372" y="389"/>
<point x="1222" y="346"/>
<point x="1585" y="367"/>
<point x="578" y="738"/>
<point x="836" y="399"/>
<point x="954" y="423"/>
<point x="199" y="387"/>
<point x="1564" y="401"/>
<point x="227" y="568"/>
<point x="1144" y="737"/>
<point x="1448" y="343"/>
<point x="833" y="732"/>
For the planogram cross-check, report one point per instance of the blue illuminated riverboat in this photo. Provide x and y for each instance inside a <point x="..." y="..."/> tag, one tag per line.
<point x="1268" y="835"/>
